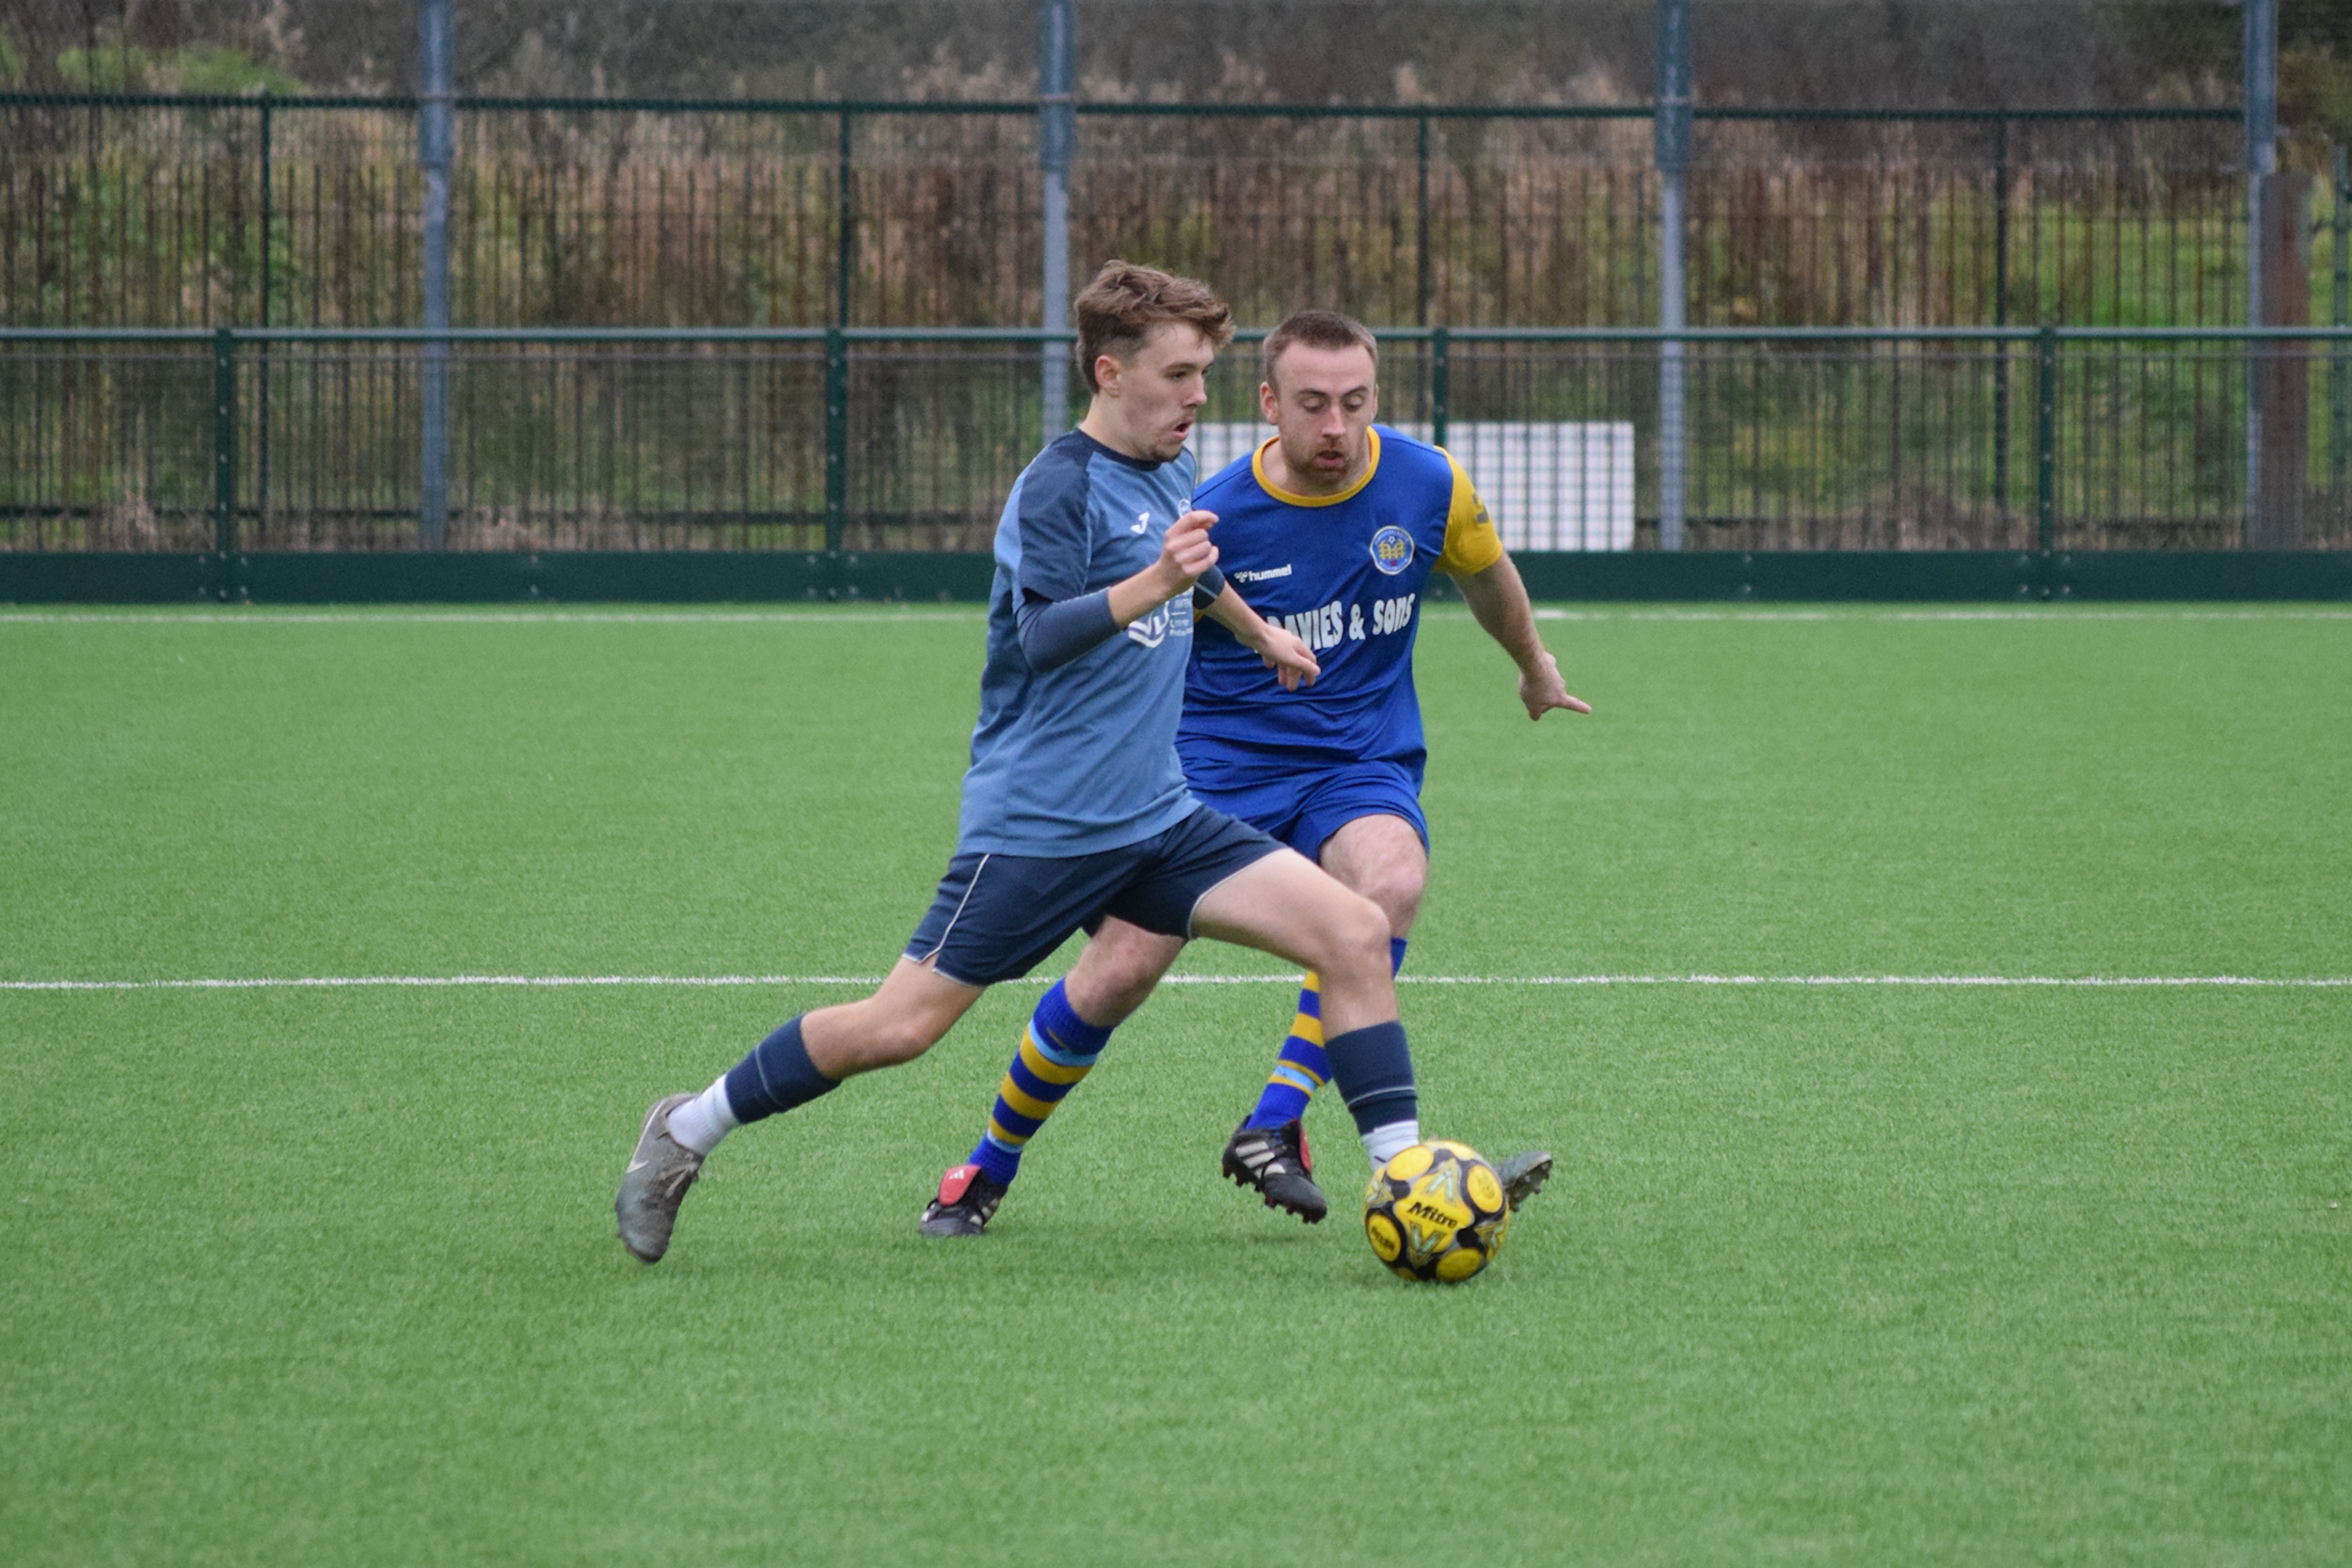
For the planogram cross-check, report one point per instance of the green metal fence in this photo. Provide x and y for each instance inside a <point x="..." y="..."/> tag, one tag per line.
<point x="867" y="439"/>
<point x="184" y="209"/>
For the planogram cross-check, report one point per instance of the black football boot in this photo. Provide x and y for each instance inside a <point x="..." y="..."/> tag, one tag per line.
<point x="967" y="1201"/>
<point x="1274" y="1160"/>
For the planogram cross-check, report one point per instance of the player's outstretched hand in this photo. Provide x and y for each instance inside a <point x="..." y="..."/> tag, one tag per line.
<point x="1185" y="552"/>
<point x="1542" y="690"/>
<point x="1290" y="658"/>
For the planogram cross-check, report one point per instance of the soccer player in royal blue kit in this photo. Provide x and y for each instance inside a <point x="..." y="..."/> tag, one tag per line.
<point x="1332" y="527"/>
<point x="1075" y="808"/>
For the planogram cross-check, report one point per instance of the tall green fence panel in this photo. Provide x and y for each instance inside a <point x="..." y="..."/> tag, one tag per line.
<point x="159" y="211"/>
<point x="2074" y="439"/>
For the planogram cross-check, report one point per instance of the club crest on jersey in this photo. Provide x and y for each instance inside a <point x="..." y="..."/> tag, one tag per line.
<point x="1391" y="549"/>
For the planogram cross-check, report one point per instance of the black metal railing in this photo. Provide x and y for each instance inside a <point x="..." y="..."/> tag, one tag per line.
<point x="161" y="439"/>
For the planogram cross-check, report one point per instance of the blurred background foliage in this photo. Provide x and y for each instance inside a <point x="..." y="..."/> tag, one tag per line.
<point x="1784" y="53"/>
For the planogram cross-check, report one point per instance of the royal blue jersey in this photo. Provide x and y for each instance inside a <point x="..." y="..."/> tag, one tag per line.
<point x="1080" y="758"/>
<point x="1345" y="573"/>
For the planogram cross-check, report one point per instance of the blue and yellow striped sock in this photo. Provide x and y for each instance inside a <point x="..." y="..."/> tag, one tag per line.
<point x="1301" y="1067"/>
<point x="1056" y="1049"/>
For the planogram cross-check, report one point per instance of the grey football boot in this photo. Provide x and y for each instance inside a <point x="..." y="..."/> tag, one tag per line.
<point x="1524" y="1175"/>
<point x="659" y="1171"/>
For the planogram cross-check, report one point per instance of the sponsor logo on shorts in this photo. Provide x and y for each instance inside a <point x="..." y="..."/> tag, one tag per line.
<point x="1391" y="549"/>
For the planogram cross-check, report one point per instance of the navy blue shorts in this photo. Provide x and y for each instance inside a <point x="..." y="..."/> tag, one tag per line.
<point x="999" y="916"/>
<point x="1304" y="807"/>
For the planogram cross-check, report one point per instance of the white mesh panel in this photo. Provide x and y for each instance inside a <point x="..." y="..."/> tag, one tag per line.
<point x="1549" y="486"/>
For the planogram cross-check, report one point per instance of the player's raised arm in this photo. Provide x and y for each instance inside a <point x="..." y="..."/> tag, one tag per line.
<point x="1293" y="663"/>
<point x="1497" y="601"/>
<point x="1186" y="556"/>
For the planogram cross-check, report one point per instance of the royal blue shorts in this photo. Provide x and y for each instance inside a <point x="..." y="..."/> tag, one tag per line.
<point x="1303" y="806"/>
<point x="998" y="916"/>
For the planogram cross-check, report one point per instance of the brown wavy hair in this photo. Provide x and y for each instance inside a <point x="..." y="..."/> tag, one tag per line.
<point x="1119" y="309"/>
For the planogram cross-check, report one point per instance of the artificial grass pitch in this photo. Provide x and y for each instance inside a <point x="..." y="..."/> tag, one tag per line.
<point x="1840" y="1275"/>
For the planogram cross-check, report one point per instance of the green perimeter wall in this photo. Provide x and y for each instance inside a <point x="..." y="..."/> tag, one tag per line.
<point x="688" y="576"/>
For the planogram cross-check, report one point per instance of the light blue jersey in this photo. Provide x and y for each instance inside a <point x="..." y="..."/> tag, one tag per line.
<point x="1082" y="757"/>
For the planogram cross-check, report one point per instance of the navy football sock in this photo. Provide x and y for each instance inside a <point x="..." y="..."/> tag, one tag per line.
<point x="776" y="1076"/>
<point x="1303" y="1066"/>
<point x="1374" y="1069"/>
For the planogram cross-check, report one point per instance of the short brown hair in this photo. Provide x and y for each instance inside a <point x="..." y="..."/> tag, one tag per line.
<point x="1316" y="330"/>
<point x="1119" y="309"/>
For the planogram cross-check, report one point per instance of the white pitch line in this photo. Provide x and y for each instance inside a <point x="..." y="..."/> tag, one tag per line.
<point x="487" y="618"/>
<point x="2054" y="615"/>
<point x="2051" y="616"/>
<point x="2061" y="980"/>
<point x="338" y="982"/>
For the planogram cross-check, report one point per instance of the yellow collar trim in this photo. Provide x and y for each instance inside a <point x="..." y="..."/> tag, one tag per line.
<point x="1257" y="469"/>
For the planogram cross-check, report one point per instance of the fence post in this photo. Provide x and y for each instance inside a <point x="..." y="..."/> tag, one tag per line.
<point x="1439" y="383"/>
<point x="2045" y="438"/>
<point x="2259" y="51"/>
<point x="1672" y="136"/>
<point x="1056" y="129"/>
<point x="225" y="448"/>
<point x="837" y="439"/>
<point x="434" y="152"/>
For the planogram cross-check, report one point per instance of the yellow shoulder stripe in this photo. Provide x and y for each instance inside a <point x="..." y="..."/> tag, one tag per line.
<point x="1471" y="544"/>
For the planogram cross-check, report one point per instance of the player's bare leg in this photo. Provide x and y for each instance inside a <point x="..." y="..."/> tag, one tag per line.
<point x="1382" y="857"/>
<point x="1073" y="1021"/>
<point x="912" y="1011"/>
<point x="1379" y="856"/>
<point x="1117" y="970"/>
<point x="1287" y="906"/>
<point x="1120" y="965"/>
<point x="914" y="1008"/>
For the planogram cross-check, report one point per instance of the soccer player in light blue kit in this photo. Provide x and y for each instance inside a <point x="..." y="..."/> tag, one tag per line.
<point x="1332" y="527"/>
<point x="1075" y="808"/>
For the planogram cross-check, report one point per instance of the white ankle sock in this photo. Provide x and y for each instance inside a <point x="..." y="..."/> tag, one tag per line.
<point x="1383" y="1143"/>
<point x="702" y="1121"/>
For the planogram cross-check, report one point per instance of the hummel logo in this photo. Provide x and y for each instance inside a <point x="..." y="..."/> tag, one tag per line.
<point x="1143" y="520"/>
<point x="1281" y="571"/>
